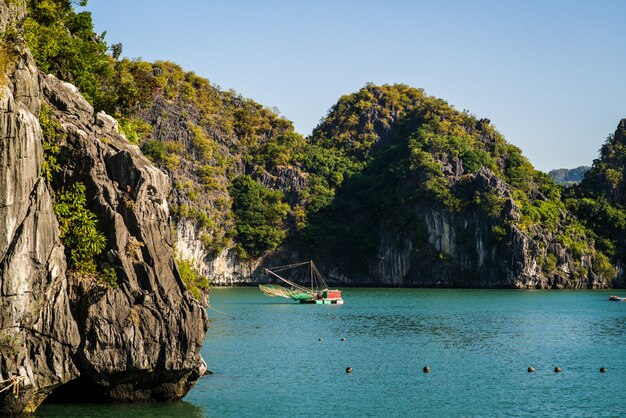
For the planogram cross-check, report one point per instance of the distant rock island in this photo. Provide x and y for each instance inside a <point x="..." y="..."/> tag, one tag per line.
<point x="568" y="176"/>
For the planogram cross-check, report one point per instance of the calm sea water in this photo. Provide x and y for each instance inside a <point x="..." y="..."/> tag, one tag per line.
<point x="268" y="360"/>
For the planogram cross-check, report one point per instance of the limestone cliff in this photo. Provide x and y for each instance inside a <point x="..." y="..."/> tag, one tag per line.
<point x="204" y="137"/>
<point x="60" y="331"/>
<point x="392" y="188"/>
<point x="141" y="341"/>
<point x="600" y="199"/>
<point x="440" y="199"/>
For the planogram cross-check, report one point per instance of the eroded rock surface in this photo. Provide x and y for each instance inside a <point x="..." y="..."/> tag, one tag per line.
<point x="38" y="334"/>
<point x="69" y="335"/>
<point x="141" y="341"/>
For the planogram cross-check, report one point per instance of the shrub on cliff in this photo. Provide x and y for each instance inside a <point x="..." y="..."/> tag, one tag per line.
<point x="259" y="213"/>
<point x="50" y="129"/>
<point x="79" y="229"/>
<point x="64" y="44"/>
<point x="196" y="283"/>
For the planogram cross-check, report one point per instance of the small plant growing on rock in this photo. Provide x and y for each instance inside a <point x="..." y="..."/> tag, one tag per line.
<point x="8" y="52"/>
<point x="128" y="202"/>
<point x="50" y="129"/>
<point x="196" y="283"/>
<point x="109" y="277"/>
<point x="10" y="342"/>
<point x="132" y="247"/>
<point x="133" y="318"/>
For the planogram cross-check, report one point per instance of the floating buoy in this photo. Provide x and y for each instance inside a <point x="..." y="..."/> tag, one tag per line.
<point x="348" y="369"/>
<point x="320" y="339"/>
<point x="557" y="370"/>
<point x="343" y="339"/>
<point x="426" y="369"/>
<point x="531" y="369"/>
<point x="603" y="370"/>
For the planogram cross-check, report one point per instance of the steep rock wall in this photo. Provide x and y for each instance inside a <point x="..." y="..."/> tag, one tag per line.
<point x="38" y="334"/>
<point x="446" y="248"/>
<point x="64" y="335"/>
<point x="141" y="341"/>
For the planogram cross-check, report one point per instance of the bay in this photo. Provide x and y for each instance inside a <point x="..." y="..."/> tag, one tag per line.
<point x="272" y="357"/>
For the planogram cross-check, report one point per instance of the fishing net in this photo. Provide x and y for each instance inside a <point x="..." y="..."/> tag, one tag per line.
<point x="283" y="292"/>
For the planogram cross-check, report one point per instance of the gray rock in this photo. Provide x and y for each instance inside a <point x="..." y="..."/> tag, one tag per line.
<point x="67" y="336"/>
<point x="141" y="341"/>
<point x="38" y="334"/>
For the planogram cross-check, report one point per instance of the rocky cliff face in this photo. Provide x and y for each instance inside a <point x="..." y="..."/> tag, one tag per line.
<point x="141" y="341"/>
<point x="63" y="332"/>
<point x="407" y="238"/>
<point x="441" y="200"/>
<point x="38" y="334"/>
<point x="462" y="251"/>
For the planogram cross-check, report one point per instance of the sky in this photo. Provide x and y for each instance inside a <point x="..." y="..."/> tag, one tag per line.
<point x="550" y="75"/>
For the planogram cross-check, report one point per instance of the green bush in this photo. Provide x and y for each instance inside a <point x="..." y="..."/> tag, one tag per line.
<point x="549" y="265"/>
<point x="50" y="128"/>
<point x="133" y="129"/>
<point x="79" y="229"/>
<point x="154" y="150"/>
<point x="259" y="214"/>
<point x="499" y="233"/>
<point x="8" y="53"/>
<point x="603" y="267"/>
<point x="195" y="283"/>
<point x="491" y="204"/>
<point x="63" y="44"/>
<point x="204" y="146"/>
<point x="109" y="277"/>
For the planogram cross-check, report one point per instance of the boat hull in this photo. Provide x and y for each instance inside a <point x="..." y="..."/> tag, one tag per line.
<point x="323" y="301"/>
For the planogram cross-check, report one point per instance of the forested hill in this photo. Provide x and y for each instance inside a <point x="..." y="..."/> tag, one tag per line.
<point x="600" y="199"/>
<point x="393" y="187"/>
<point x="419" y="193"/>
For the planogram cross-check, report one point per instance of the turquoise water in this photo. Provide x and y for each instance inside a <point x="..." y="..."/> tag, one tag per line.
<point x="268" y="360"/>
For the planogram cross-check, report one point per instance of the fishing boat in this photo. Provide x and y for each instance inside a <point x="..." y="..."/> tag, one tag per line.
<point x="317" y="293"/>
<point x="614" y="298"/>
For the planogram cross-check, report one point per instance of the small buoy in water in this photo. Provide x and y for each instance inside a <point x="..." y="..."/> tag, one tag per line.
<point x="348" y="369"/>
<point x="320" y="339"/>
<point x="557" y="370"/>
<point x="343" y="339"/>
<point x="426" y="369"/>
<point x="531" y="369"/>
<point x="603" y="370"/>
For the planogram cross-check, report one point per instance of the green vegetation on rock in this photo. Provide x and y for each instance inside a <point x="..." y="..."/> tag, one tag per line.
<point x="381" y="158"/>
<point x="259" y="213"/>
<point x="196" y="283"/>
<point x="568" y="177"/>
<point x="600" y="199"/>
<point x="64" y="44"/>
<point x="50" y="129"/>
<point x="79" y="229"/>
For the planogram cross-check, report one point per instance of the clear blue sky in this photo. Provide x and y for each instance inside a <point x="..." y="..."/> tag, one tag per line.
<point x="551" y="75"/>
